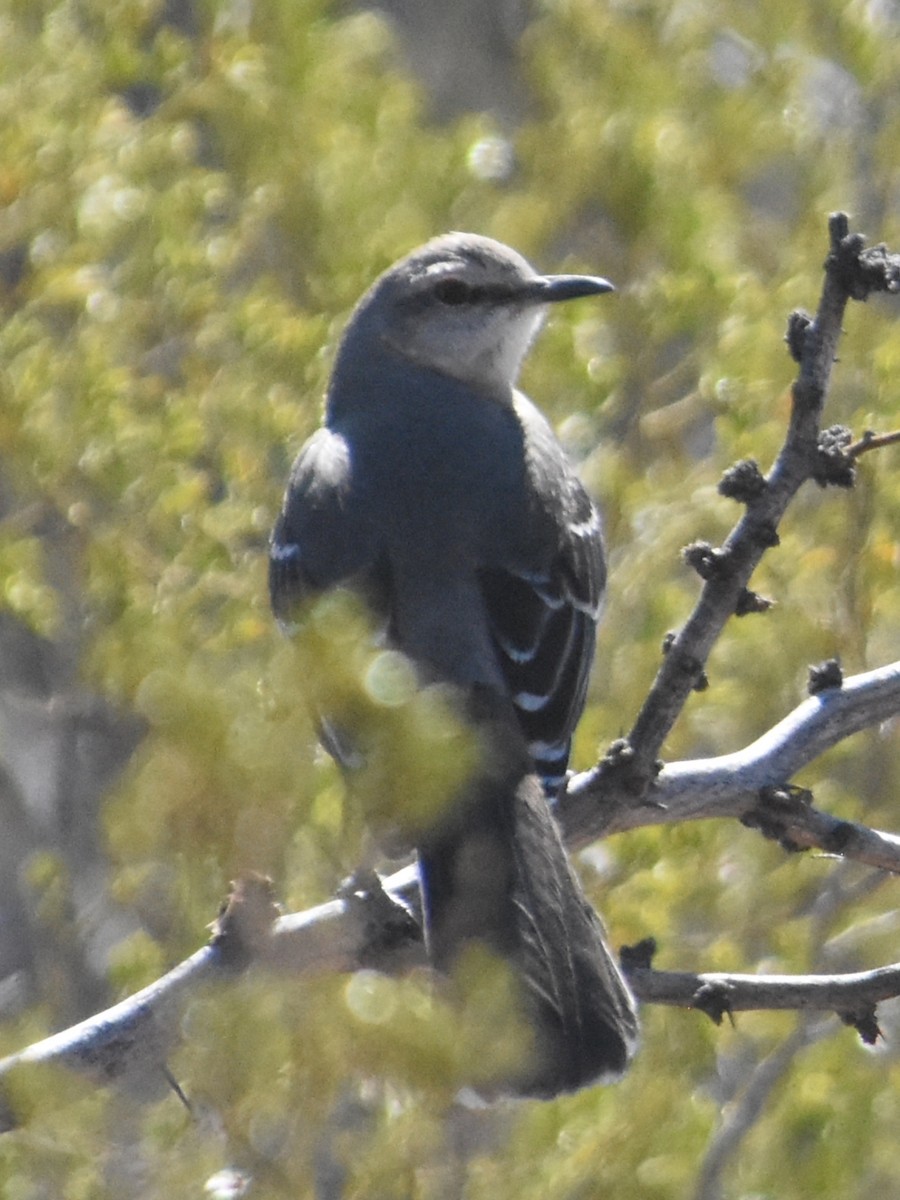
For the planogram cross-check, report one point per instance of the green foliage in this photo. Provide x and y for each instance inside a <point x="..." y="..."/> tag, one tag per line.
<point x="187" y="216"/>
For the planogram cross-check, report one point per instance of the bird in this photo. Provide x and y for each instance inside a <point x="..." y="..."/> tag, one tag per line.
<point x="437" y="492"/>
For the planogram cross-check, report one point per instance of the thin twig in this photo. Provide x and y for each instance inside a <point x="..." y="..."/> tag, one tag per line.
<point x="872" y="441"/>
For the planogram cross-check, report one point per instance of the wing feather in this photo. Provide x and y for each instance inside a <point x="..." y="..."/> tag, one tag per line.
<point x="543" y="623"/>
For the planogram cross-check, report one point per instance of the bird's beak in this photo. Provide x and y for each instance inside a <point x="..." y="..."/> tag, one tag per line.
<point x="552" y="288"/>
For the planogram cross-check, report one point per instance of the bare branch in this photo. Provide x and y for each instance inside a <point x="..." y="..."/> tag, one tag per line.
<point x="851" y="994"/>
<point x="129" y="1042"/>
<point x="851" y="271"/>
<point x="368" y="925"/>
<point x="873" y="441"/>
<point x="734" y="785"/>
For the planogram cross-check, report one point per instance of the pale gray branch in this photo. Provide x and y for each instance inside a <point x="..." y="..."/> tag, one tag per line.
<point x="129" y="1042"/>
<point x="740" y="784"/>
<point x="852" y="993"/>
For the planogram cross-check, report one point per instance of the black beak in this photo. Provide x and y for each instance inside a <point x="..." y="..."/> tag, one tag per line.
<point x="552" y="288"/>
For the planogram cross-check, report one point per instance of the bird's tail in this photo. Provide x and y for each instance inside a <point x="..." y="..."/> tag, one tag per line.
<point x="496" y="872"/>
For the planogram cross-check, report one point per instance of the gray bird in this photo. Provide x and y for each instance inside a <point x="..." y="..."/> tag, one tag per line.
<point x="440" y="494"/>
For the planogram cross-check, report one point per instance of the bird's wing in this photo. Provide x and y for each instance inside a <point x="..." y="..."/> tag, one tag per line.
<point x="543" y="622"/>
<point x="321" y="537"/>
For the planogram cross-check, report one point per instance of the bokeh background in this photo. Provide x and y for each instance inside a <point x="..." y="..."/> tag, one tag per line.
<point x="192" y="196"/>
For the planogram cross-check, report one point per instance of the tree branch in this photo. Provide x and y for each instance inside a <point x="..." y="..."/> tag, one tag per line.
<point x="852" y="995"/>
<point x="371" y="925"/>
<point x="873" y="441"/>
<point x="851" y="272"/>
<point x="128" y="1043"/>
<point x="749" y="781"/>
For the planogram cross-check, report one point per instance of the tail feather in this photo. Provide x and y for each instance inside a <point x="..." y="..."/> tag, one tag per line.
<point x="496" y="871"/>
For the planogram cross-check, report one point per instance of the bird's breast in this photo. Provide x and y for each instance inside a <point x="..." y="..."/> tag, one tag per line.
<point x="442" y="473"/>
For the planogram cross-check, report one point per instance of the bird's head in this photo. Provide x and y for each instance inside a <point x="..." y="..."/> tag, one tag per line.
<point x="466" y="306"/>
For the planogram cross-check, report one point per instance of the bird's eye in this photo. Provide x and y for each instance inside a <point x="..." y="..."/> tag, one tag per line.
<point x="453" y="291"/>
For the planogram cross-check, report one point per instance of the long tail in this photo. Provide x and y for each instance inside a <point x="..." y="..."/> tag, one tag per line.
<point x="496" y="871"/>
